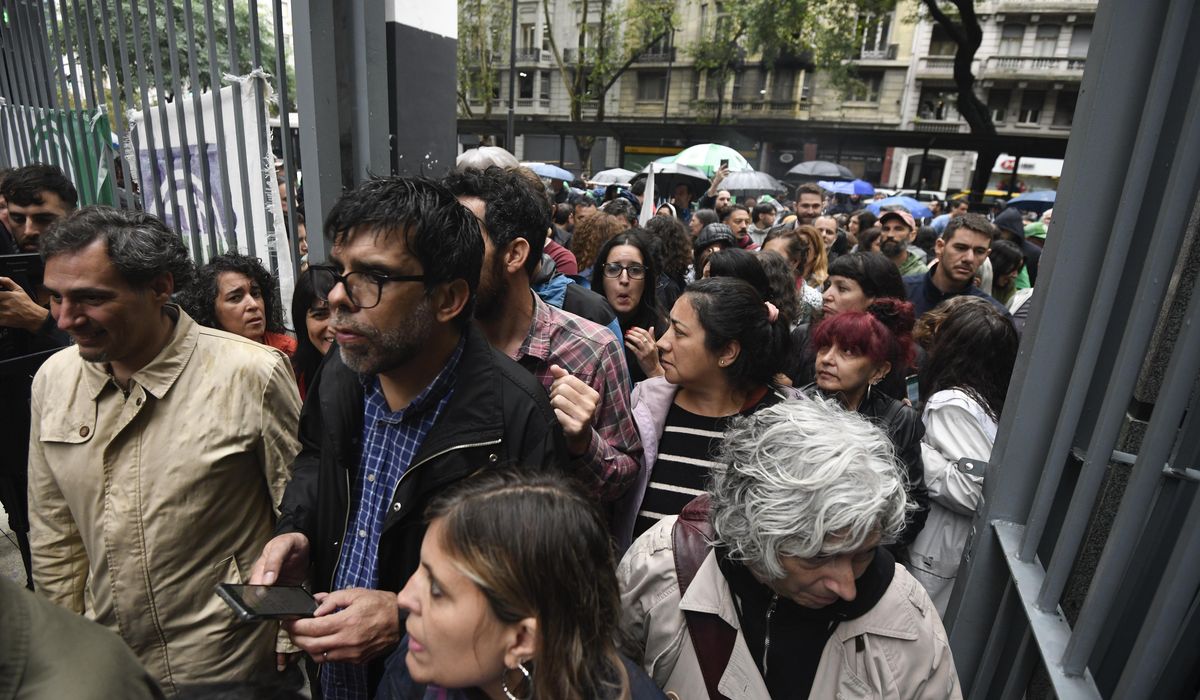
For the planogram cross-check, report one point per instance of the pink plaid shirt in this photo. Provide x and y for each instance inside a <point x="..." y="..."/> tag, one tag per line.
<point x="591" y="353"/>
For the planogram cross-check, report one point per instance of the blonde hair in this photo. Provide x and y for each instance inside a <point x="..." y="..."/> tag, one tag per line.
<point x="818" y="258"/>
<point x="592" y="233"/>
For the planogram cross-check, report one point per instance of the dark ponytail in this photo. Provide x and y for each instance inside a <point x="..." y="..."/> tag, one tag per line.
<point x="732" y="309"/>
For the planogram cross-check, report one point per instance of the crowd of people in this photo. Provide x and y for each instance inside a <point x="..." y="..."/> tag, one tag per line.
<point x="517" y="442"/>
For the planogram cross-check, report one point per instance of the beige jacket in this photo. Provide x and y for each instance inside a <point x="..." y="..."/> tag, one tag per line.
<point x="140" y="504"/>
<point x="904" y="652"/>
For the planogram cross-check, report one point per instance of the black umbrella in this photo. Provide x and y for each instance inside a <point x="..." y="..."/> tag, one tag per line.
<point x="667" y="176"/>
<point x="752" y="183"/>
<point x="811" y="170"/>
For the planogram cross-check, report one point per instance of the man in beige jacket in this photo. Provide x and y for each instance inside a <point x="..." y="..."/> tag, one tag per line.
<point x="159" y="451"/>
<point x="782" y="590"/>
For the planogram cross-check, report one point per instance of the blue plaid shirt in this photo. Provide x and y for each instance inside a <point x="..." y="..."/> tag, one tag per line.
<point x="390" y="441"/>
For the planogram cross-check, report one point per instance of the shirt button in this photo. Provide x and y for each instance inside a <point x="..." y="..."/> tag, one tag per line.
<point x="83" y="432"/>
<point x="362" y="533"/>
<point x="396" y="507"/>
<point x="139" y="401"/>
<point x="371" y="478"/>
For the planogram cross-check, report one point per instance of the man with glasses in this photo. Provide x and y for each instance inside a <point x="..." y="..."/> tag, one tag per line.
<point x="411" y="400"/>
<point x="581" y="364"/>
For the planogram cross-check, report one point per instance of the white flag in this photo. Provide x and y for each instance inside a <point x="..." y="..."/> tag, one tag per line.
<point x="648" y="201"/>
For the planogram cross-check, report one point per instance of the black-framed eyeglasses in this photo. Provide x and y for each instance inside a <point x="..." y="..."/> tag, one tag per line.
<point x="614" y="270"/>
<point x="363" y="289"/>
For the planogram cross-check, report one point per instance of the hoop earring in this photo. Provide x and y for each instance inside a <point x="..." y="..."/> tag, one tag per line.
<point x="528" y="681"/>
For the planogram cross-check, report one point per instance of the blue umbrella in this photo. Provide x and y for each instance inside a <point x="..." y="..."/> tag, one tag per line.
<point x="551" y="172"/>
<point x="1037" y="202"/>
<point x="917" y="209"/>
<point x="859" y="187"/>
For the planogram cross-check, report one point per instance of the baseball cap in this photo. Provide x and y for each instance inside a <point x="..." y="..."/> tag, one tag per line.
<point x="902" y="214"/>
<point x="1036" y="230"/>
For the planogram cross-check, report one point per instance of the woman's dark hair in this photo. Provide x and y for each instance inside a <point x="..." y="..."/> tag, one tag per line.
<point x="865" y="219"/>
<point x="867" y="238"/>
<point x="307" y="357"/>
<point x="799" y="247"/>
<point x="706" y="217"/>
<point x="783" y="285"/>
<point x="199" y="299"/>
<point x="538" y="547"/>
<point x="878" y="276"/>
<point x="731" y="309"/>
<point x="972" y="348"/>
<point x="926" y="240"/>
<point x="674" y="245"/>
<point x="1006" y="256"/>
<point x="883" y="332"/>
<point x="742" y="264"/>
<point x="647" y="313"/>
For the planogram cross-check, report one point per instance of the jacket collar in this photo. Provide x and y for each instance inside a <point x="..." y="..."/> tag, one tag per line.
<point x="160" y="374"/>
<point x="709" y="593"/>
<point x="537" y="342"/>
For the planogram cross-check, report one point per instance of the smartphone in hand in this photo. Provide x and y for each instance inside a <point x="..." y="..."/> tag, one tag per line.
<point x="267" y="602"/>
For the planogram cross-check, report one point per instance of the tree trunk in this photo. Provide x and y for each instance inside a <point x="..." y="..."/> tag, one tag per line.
<point x="585" y="144"/>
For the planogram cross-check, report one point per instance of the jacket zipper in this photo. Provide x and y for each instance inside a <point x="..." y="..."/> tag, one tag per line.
<point x="345" y="528"/>
<point x="767" y="637"/>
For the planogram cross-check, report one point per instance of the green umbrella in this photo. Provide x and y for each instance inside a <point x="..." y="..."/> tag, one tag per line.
<point x="707" y="157"/>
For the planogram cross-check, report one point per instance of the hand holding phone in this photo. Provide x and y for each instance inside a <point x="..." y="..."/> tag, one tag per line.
<point x="252" y="602"/>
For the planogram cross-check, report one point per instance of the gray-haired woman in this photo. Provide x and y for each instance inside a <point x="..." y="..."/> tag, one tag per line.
<point x="795" y="597"/>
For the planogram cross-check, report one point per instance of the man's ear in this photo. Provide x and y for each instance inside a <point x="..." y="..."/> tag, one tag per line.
<point x="938" y="247"/>
<point x="449" y="299"/>
<point x="162" y="286"/>
<point x="515" y="255"/>
<point x="523" y="640"/>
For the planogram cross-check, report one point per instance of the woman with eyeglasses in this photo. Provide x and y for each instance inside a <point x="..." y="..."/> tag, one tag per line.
<point x="722" y="348"/>
<point x="624" y="267"/>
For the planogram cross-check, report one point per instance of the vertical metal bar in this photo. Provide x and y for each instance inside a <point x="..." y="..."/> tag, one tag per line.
<point x="66" y="101"/>
<point x="265" y="155"/>
<point x="144" y="90"/>
<point x="239" y="124"/>
<point x="1008" y="609"/>
<point x="24" y="84"/>
<point x="20" y="119"/>
<point x="1169" y="410"/>
<point x="79" y="156"/>
<point x="285" y="138"/>
<point x="210" y="220"/>
<point x="159" y="89"/>
<point x="103" y="147"/>
<point x="118" y="116"/>
<point x="1175" y="593"/>
<point x="1018" y="676"/>
<point x="314" y="32"/>
<point x="61" y="157"/>
<point x="128" y="82"/>
<point x="214" y="73"/>
<point x="86" y="142"/>
<point x="1124" y="224"/>
<point x="189" y="188"/>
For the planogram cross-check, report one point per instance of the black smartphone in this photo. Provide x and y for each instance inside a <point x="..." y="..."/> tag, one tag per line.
<point x="724" y="163"/>
<point x="267" y="602"/>
<point x="23" y="268"/>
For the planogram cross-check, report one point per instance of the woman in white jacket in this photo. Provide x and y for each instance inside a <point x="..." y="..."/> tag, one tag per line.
<point x="972" y="349"/>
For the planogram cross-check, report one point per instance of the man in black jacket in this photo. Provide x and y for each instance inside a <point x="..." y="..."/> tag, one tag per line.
<point x="412" y="400"/>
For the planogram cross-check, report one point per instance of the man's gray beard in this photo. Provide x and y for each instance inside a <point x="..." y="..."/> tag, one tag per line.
<point x="392" y="348"/>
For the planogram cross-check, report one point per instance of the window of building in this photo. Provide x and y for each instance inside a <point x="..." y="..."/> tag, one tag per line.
<point x="997" y="103"/>
<point x="545" y="37"/>
<point x="712" y="85"/>
<point x="527" y="36"/>
<point x="525" y="85"/>
<point x="1046" y="39"/>
<point x="1081" y="37"/>
<point x="749" y="83"/>
<point x="873" y="31"/>
<point x="1011" y="36"/>
<point x="651" y="85"/>
<point x="544" y="82"/>
<point x="783" y="85"/>
<point x="1064" y="108"/>
<point x="867" y="87"/>
<point x="940" y="43"/>
<point x="806" y="86"/>
<point x="1031" y="106"/>
<point x="938" y="104"/>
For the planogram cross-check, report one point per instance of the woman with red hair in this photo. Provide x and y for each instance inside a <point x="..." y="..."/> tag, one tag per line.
<point x="854" y="351"/>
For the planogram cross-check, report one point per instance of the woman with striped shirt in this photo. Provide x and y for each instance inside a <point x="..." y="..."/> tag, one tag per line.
<point x="722" y="347"/>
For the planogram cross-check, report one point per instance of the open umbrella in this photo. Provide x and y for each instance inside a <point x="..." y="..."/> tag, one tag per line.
<point x="917" y="209"/>
<point x="811" y="170"/>
<point x="670" y="175"/>
<point x="707" y="157"/>
<point x="613" y="176"/>
<point x="859" y="187"/>
<point x="1037" y="202"/>
<point x="550" y="172"/>
<point x="751" y="183"/>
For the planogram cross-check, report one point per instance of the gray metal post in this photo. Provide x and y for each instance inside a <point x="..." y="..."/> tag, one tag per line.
<point x="509" y="136"/>
<point x="1125" y="42"/>
<point x="314" y="31"/>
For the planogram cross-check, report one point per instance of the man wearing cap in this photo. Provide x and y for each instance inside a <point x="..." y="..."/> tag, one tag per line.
<point x="898" y="230"/>
<point x="712" y="238"/>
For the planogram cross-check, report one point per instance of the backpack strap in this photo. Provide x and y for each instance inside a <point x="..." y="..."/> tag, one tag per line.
<point x="712" y="637"/>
